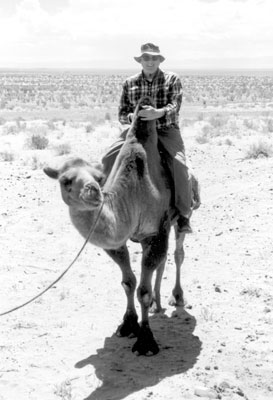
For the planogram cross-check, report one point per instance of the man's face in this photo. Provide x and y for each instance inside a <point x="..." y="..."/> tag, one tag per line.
<point x="150" y="63"/>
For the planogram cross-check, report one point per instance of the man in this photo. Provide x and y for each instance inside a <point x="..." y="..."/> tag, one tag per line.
<point x="166" y="90"/>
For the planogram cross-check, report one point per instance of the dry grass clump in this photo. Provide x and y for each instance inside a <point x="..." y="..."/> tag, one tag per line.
<point x="89" y="128"/>
<point x="260" y="148"/>
<point x="62" y="148"/>
<point x="7" y="155"/>
<point x="218" y="121"/>
<point x="37" y="142"/>
<point x="270" y="125"/>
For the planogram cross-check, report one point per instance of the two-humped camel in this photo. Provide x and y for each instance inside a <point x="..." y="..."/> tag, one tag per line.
<point x="136" y="201"/>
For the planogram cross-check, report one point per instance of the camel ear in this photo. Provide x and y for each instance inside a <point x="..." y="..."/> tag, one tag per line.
<point x="51" y="172"/>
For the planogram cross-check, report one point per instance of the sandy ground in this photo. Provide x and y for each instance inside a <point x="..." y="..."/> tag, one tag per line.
<point x="63" y="346"/>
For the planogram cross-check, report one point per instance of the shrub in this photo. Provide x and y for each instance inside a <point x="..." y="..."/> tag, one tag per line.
<point x="7" y="155"/>
<point x="10" y="129"/>
<point x="62" y="148"/>
<point x="38" y="141"/>
<point x="270" y="125"/>
<point x="89" y="128"/>
<point x="107" y="117"/>
<point x="51" y="125"/>
<point x="217" y="121"/>
<point x="261" y="148"/>
<point x="248" y="123"/>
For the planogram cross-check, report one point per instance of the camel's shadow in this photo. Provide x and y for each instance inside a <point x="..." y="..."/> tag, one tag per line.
<point x="123" y="373"/>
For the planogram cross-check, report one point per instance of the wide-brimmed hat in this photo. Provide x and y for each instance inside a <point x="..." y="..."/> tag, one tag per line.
<point x="151" y="49"/>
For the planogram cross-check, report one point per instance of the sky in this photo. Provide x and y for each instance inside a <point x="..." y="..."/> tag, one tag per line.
<point x="210" y="34"/>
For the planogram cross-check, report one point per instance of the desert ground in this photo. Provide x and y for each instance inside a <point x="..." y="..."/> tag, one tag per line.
<point x="63" y="345"/>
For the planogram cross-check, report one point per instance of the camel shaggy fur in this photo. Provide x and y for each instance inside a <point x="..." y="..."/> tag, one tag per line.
<point x="134" y="203"/>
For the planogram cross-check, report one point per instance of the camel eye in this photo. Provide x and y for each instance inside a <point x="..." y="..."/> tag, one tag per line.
<point x="66" y="182"/>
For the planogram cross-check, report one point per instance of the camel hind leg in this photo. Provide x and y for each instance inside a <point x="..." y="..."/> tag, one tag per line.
<point x="177" y="297"/>
<point x="155" y="306"/>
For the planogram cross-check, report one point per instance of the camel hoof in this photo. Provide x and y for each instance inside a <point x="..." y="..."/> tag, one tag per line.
<point x="145" y="344"/>
<point x="176" y="301"/>
<point x="155" y="309"/>
<point x="129" y="327"/>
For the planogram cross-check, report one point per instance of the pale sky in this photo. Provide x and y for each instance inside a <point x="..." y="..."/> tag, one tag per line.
<point x="108" y="33"/>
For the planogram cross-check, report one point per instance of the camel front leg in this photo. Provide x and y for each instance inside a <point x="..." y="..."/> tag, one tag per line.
<point x="177" y="297"/>
<point x="154" y="253"/>
<point x="129" y="326"/>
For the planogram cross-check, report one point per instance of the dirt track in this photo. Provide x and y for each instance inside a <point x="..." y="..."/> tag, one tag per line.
<point x="64" y="346"/>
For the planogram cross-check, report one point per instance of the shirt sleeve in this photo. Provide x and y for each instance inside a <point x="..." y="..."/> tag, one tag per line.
<point x="175" y="95"/>
<point x="125" y="107"/>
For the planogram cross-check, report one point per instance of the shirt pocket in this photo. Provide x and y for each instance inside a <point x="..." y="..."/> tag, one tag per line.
<point x="134" y="94"/>
<point x="161" y="97"/>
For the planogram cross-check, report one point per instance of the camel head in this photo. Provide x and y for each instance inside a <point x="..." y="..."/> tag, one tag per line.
<point x="144" y="101"/>
<point x="80" y="183"/>
<point x="140" y="128"/>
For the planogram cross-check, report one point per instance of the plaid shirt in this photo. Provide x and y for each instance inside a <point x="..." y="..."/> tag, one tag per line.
<point x="165" y="89"/>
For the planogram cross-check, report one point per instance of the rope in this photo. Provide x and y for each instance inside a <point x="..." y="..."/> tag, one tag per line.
<point x="64" y="272"/>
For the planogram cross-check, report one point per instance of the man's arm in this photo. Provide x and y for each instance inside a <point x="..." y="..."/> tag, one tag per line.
<point x="174" y="98"/>
<point x="125" y="110"/>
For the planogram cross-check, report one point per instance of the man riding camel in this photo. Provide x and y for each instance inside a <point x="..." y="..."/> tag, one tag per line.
<point x="165" y="89"/>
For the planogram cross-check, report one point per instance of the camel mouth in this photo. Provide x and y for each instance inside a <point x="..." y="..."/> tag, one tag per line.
<point x="91" y="194"/>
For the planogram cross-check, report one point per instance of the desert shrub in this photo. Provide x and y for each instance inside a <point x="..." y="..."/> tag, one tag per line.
<point x="10" y="129"/>
<point x="107" y="117"/>
<point x="7" y="155"/>
<point x="261" y="148"/>
<point x="248" y="123"/>
<point x="270" y="125"/>
<point x="217" y="121"/>
<point x="228" y="142"/>
<point x="35" y="162"/>
<point x="202" y="139"/>
<point x="21" y="123"/>
<point x="51" y="125"/>
<point x="62" y="148"/>
<point x="37" y="141"/>
<point x="66" y="105"/>
<point x="89" y="128"/>
<point x="186" y="122"/>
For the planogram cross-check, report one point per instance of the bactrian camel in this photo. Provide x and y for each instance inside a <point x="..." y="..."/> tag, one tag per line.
<point x="136" y="199"/>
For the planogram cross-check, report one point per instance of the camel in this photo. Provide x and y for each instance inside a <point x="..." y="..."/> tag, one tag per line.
<point x="134" y="202"/>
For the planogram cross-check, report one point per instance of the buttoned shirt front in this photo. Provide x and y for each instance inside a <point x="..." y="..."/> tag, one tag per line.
<point x="165" y="89"/>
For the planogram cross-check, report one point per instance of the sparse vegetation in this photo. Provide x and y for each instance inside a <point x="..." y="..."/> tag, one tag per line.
<point x="260" y="148"/>
<point x="62" y="148"/>
<point x="7" y="155"/>
<point x="37" y="141"/>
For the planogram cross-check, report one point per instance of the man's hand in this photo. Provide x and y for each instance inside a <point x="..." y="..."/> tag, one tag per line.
<point x="148" y="113"/>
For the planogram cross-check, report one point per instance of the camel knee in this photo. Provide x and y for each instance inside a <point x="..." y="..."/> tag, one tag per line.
<point x="144" y="296"/>
<point x="179" y="256"/>
<point x="129" y="285"/>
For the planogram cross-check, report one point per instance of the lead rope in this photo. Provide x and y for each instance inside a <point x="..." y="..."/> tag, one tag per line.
<point x="64" y="272"/>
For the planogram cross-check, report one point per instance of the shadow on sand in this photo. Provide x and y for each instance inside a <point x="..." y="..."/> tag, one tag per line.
<point x="123" y="373"/>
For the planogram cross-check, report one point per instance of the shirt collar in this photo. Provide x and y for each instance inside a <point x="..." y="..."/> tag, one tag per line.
<point x="157" y="74"/>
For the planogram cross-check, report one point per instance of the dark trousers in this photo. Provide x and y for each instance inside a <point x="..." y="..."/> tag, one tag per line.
<point x="171" y="140"/>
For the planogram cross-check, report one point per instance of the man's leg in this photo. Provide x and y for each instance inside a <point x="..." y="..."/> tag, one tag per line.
<point x="109" y="158"/>
<point x="172" y="141"/>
